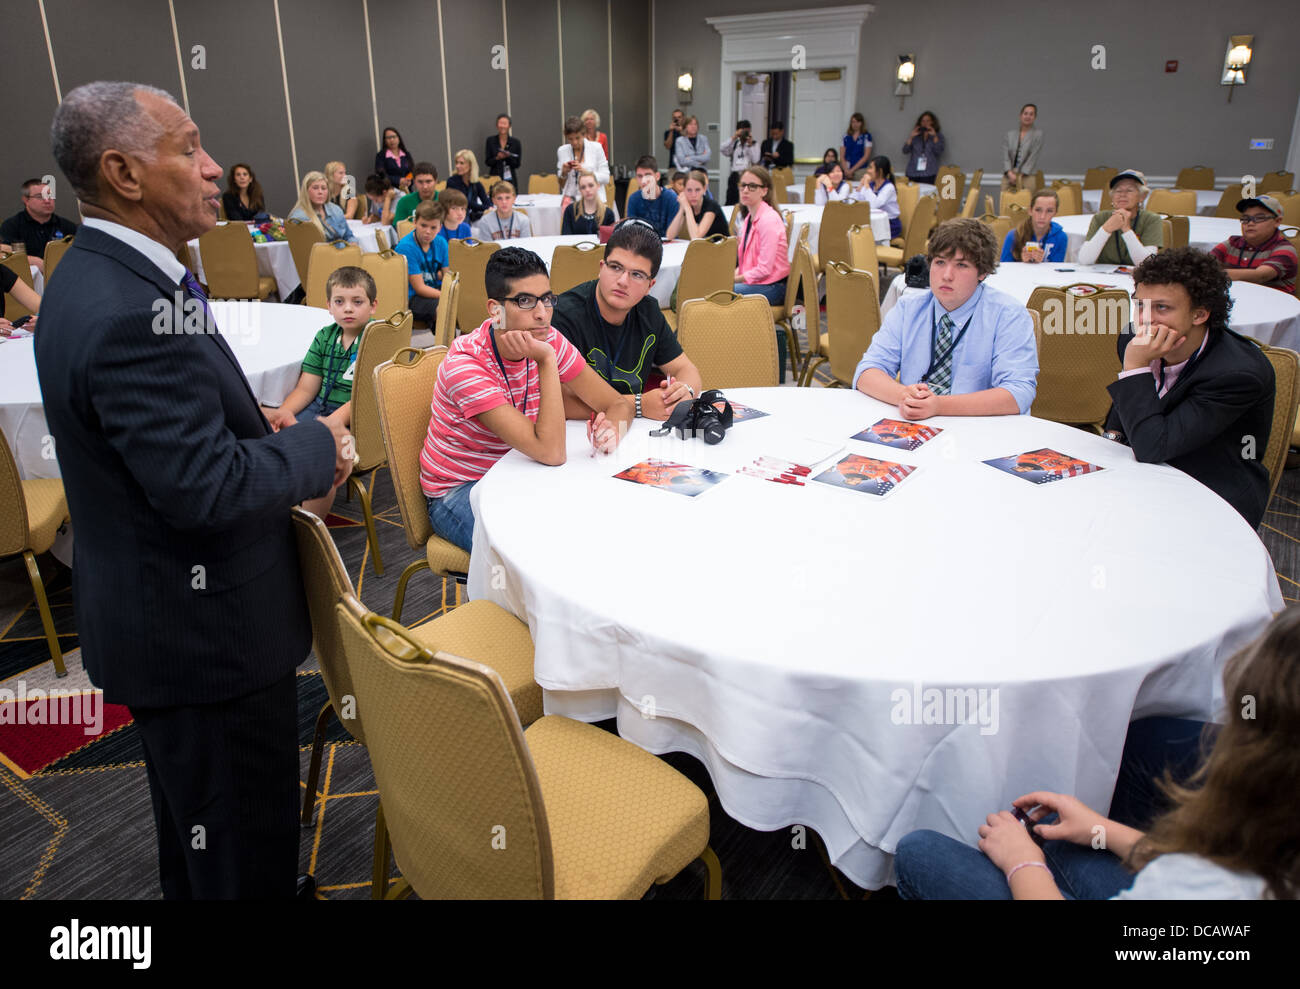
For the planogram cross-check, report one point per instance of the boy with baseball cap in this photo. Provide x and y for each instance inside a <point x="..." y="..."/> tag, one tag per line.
<point x="1261" y="253"/>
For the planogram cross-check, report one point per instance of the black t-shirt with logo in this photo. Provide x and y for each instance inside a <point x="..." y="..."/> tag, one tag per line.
<point x="22" y="229"/>
<point x="622" y="355"/>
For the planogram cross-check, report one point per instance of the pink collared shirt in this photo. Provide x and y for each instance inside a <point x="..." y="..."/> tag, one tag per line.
<point x="1172" y="371"/>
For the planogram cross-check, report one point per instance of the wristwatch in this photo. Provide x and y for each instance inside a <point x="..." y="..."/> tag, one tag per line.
<point x="1114" y="435"/>
<point x="638" y="405"/>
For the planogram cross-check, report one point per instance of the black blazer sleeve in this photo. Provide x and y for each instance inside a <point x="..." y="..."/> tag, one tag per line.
<point x="784" y="154"/>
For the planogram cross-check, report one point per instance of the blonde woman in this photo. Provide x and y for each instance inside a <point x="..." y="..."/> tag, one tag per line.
<point x="336" y="173"/>
<point x="464" y="179"/>
<point x="591" y="130"/>
<point x="315" y="207"/>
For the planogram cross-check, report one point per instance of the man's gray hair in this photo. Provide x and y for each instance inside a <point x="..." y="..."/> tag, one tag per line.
<point x="98" y="116"/>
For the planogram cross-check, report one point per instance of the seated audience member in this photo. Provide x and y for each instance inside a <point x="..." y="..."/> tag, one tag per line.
<point x="23" y="294"/>
<point x="381" y="200"/>
<point x="504" y="222"/>
<point x="587" y="214"/>
<point x="923" y="149"/>
<point x="592" y="132"/>
<point x="1126" y="234"/>
<point x="618" y="327"/>
<point x="741" y="151"/>
<point x="962" y="348"/>
<point x="878" y="189"/>
<point x="832" y="188"/>
<point x="856" y="145"/>
<point x="339" y="194"/>
<point x="1192" y="393"/>
<point x="1260" y="253"/>
<point x="36" y="224"/>
<point x="243" y="199"/>
<point x="777" y="151"/>
<point x="499" y="388"/>
<point x="1039" y="238"/>
<point x="454" y="226"/>
<point x="426" y="261"/>
<point x="1021" y="147"/>
<point x="671" y="135"/>
<point x="575" y="156"/>
<point x="678" y="183"/>
<point x="424" y="189"/>
<point x="692" y="150"/>
<point x="831" y="157"/>
<point x="324" y="388"/>
<point x="466" y="182"/>
<point x="394" y="160"/>
<point x="650" y="203"/>
<point x="763" y="261"/>
<point x="698" y="213"/>
<point x="314" y="207"/>
<point x="1228" y="835"/>
<point x="502" y="152"/>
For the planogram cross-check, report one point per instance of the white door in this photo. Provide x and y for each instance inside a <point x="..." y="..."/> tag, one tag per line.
<point x="754" y="95"/>
<point x="818" y="117"/>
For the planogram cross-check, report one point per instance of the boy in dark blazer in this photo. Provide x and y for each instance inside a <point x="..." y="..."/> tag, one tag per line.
<point x="1193" y="393"/>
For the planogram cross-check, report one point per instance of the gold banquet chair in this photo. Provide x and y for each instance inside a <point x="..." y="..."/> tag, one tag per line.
<point x="444" y="323"/>
<point x="1099" y="177"/>
<point x="17" y="262"/>
<point x="392" y="286"/>
<point x="1180" y="202"/>
<point x="1000" y="225"/>
<point x="1227" y="208"/>
<point x="1195" y="177"/>
<point x="731" y="339"/>
<point x="31" y="513"/>
<point x="972" y="203"/>
<point x="1069" y="196"/>
<point x="950" y="205"/>
<point x="1286" y="404"/>
<point x="302" y="235"/>
<point x="469" y="258"/>
<point x="918" y="235"/>
<point x="707" y="267"/>
<point x="833" y="235"/>
<point x="1278" y="181"/>
<point x="852" y="319"/>
<point x="404" y="394"/>
<point x="1077" y="358"/>
<point x="1020" y="197"/>
<point x="573" y="264"/>
<point x="403" y="227"/>
<point x="325" y="260"/>
<point x="230" y="264"/>
<point x="802" y="278"/>
<point x="547" y="184"/>
<point x="909" y="195"/>
<point x="580" y="813"/>
<point x="54" y="252"/>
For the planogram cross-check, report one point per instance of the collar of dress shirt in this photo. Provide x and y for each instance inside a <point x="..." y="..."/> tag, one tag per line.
<point x="1172" y="371"/>
<point x="150" y="248"/>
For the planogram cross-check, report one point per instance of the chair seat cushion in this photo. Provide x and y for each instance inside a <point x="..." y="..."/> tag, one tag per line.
<point x="897" y="242"/>
<point x="265" y="286"/>
<point x="620" y="818"/>
<point x="488" y="634"/>
<point x="47" y="509"/>
<point x="670" y="318"/>
<point x="445" y="557"/>
<point x="891" y="257"/>
<point x="1295" y="433"/>
<point x="778" y="313"/>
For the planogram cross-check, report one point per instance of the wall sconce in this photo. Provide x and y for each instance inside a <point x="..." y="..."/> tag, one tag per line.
<point x="906" y="71"/>
<point x="685" y="85"/>
<point x="1235" y="62"/>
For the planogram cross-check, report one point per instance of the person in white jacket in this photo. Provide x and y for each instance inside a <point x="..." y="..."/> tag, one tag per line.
<point x="575" y="156"/>
<point x="831" y="187"/>
<point x="877" y="188"/>
<point x="743" y="152"/>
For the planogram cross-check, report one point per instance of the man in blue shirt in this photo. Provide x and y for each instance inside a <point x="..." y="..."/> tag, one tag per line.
<point x="654" y="205"/>
<point x="426" y="258"/>
<point x="962" y="348"/>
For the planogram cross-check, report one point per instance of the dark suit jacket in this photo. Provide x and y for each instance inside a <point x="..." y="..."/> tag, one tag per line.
<point x="784" y="154"/>
<point x="170" y="466"/>
<point x="1203" y="423"/>
<point x="494" y="167"/>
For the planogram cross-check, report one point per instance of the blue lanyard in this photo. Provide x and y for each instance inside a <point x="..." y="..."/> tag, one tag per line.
<point x="934" y="342"/>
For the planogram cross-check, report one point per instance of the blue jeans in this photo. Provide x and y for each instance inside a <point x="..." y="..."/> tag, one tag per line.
<point x="318" y="407"/>
<point x="774" y="293"/>
<point x="932" y="866"/>
<point x="452" y="517"/>
<point x="1152" y="746"/>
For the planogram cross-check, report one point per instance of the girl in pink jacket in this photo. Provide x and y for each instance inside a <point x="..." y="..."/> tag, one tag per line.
<point x="764" y="253"/>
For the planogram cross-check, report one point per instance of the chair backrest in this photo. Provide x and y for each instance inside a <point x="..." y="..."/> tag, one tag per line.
<point x="1099" y="177"/>
<point x="1172" y="201"/>
<point x="708" y="267"/>
<point x="852" y="318"/>
<point x="469" y="259"/>
<point x="326" y="259"/>
<point x="972" y="200"/>
<point x="1195" y="177"/>
<point x="1177" y="231"/>
<point x="788" y="216"/>
<point x="1000" y="225"/>
<point x="302" y="236"/>
<point x="862" y="250"/>
<point x="1037" y="317"/>
<point x="389" y="271"/>
<point x="229" y="262"/>
<point x="403" y="398"/>
<point x="908" y="196"/>
<point x="403" y="228"/>
<point x="1286" y="402"/>
<point x="1069" y="197"/>
<point x="988" y="203"/>
<point x="542" y="184"/>
<point x="950" y="191"/>
<point x="1020" y="197"/>
<point x="1292" y="234"/>
<point x="15" y="534"/>
<point x="1017" y="215"/>
<point x="833" y="235"/>
<point x="782" y="179"/>
<point x="451" y="765"/>
<point x="1076" y="357"/>
<point x="919" y="230"/>
<point x="1290" y="216"/>
<point x="444" y="325"/>
<point x="54" y="252"/>
<point x="803" y="280"/>
<point x="379" y="342"/>
<point x="731" y="339"/>
<point x="17" y="262"/>
<point x="609" y="196"/>
<point x="1228" y="202"/>
<point x="1275" y="182"/>
<point x="573" y="264"/>
<point x="810" y="188"/>
<point x="325" y="581"/>
<point x="1167" y="239"/>
<point x="381" y="241"/>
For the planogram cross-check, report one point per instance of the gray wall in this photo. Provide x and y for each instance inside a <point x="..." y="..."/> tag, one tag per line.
<point x="977" y="65"/>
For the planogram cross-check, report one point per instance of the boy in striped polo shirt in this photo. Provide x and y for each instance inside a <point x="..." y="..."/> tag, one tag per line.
<point x="1260" y="254"/>
<point x="499" y="388"/>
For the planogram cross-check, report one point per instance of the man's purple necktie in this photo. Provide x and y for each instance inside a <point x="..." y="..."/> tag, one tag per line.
<point x="195" y="291"/>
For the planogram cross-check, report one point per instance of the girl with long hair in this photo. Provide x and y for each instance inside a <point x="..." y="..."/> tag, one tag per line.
<point x="587" y="214"/>
<point x="314" y="206"/>
<point x="878" y="189"/>
<point x="1039" y="238"/>
<point x="857" y="145"/>
<point x="243" y="199"/>
<point x="698" y="213"/>
<point x="832" y="188"/>
<point x="336" y="173"/>
<point x="394" y="160"/>
<point x="464" y="179"/>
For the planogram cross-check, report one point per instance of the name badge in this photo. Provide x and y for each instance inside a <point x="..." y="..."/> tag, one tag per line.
<point x="920" y="164"/>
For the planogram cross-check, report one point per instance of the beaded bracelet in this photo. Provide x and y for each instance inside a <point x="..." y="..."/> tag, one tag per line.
<point x="1017" y="868"/>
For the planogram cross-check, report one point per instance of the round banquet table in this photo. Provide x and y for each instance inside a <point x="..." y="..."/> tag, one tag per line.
<point x="269" y="340"/>
<point x="1203" y="232"/>
<point x="1262" y="313"/>
<point x="365" y="235"/>
<point x="1207" y="201"/>
<point x="795" y="668"/>
<point x="274" y="260"/>
<point x="665" y="281"/>
<point x="811" y="217"/>
<point x="544" y="213"/>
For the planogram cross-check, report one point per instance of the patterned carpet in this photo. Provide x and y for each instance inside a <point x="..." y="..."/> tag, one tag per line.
<point x="82" y="828"/>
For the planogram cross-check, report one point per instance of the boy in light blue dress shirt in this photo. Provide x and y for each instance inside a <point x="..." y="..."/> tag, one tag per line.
<point x="963" y="348"/>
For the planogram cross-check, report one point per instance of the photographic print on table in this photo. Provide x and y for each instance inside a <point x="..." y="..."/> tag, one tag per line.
<point x="866" y="475"/>
<point x="1042" y="466"/>
<point x="898" y="434"/>
<point x="741" y="412"/>
<point x="677" y="478"/>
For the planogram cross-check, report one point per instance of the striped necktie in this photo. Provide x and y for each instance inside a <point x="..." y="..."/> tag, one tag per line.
<point x="941" y="377"/>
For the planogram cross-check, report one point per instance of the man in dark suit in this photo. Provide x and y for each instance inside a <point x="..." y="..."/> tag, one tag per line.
<point x="188" y="596"/>
<point x="1192" y="393"/>
<point x="777" y="151"/>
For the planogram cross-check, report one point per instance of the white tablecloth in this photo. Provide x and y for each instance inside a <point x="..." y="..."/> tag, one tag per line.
<point x="1207" y="200"/>
<point x="269" y="340"/>
<point x="1203" y="232"/>
<point x="811" y="217"/>
<point x="38" y="279"/>
<point x="665" y="281"/>
<point x="793" y="667"/>
<point x="274" y="260"/>
<point x="365" y="235"/>
<point x="544" y="213"/>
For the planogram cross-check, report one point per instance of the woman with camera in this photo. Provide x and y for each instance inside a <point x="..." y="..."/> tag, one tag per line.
<point x="743" y="151"/>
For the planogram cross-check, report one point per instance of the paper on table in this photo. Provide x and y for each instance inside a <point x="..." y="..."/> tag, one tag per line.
<point x="801" y="450"/>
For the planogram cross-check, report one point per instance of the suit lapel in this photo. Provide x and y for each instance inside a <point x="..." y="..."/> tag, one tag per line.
<point x="1175" y="393"/>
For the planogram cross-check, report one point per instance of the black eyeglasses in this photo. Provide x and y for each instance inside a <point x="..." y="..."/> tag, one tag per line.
<point x="1254" y="218"/>
<point x="617" y="270"/>
<point x="525" y="301"/>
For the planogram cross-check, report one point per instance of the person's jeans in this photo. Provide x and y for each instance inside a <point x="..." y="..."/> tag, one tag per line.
<point x="452" y="517"/>
<point x="774" y="293"/>
<point x="932" y="866"/>
<point x="1152" y="746"/>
